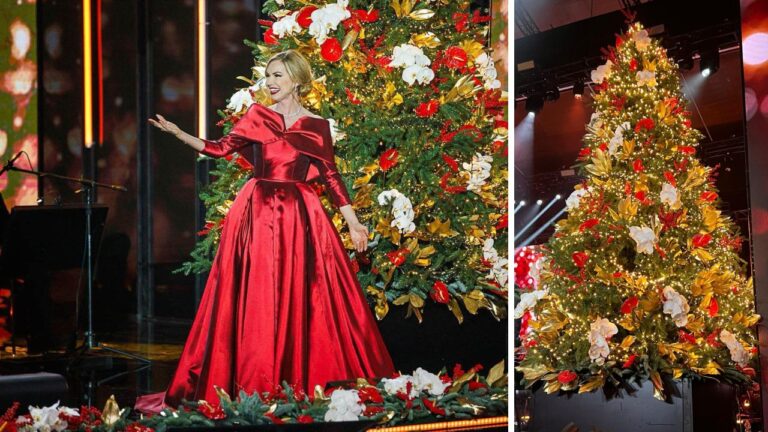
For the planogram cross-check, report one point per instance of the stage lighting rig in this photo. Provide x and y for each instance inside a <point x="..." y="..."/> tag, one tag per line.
<point x="578" y="89"/>
<point x="709" y="62"/>
<point x="534" y="103"/>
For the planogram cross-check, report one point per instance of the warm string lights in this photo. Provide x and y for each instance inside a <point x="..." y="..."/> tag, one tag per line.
<point x="643" y="276"/>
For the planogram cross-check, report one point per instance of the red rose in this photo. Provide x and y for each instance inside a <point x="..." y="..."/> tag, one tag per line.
<point x="629" y="305"/>
<point x="455" y="57"/>
<point x="701" y="240"/>
<point x="427" y="109"/>
<point x="304" y="18"/>
<point x="439" y="292"/>
<point x="269" y="37"/>
<point x="331" y="50"/>
<point x="630" y="361"/>
<point x="566" y="376"/>
<point x="645" y="123"/>
<point x="588" y="224"/>
<point x="388" y="159"/>
<point x="397" y="257"/>
<point x="580" y="259"/>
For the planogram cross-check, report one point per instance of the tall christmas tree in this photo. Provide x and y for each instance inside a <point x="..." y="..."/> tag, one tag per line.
<point x="410" y="88"/>
<point x="643" y="277"/>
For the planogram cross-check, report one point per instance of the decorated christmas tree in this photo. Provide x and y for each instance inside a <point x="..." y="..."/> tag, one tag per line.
<point x="417" y="114"/>
<point x="642" y="279"/>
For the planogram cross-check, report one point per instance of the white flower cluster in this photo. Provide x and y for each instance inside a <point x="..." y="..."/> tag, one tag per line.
<point x="45" y="419"/>
<point x="646" y="78"/>
<point x="601" y="73"/>
<point x="336" y="133"/>
<point x="574" y="199"/>
<point x="527" y="301"/>
<point x="676" y="306"/>
<point x="402" y="210"/>
<point x="644" y="237"/>
<point x="618" y="138"/>
<point x="479" y="171"/>
<point x="421" y="380"/>
<point x="286" y="26"/>
<point x="242" y="99"/>
<point x="668" y="195"/>
<point x="487" y="70"/>
<point x="499" y="271"/>
<point x="599" y="332"/>
<point x="327" y="18"/>
<point x="595" y="122"/>
<point x="738" y="353"/>
<point x="641" y="39"/>
<point x="415" y="63"/>
<point x="345" y="406"/>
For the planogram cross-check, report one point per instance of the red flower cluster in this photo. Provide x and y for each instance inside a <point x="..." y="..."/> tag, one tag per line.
<point x="629" y="305"/>
<point x="397" y="257"/>
<point x="388" y="159"/>
<point x="566" y="376"/>
<point x="439" y="292"/>
<point x="210" y="411"/>
<point x="427" y="109"/>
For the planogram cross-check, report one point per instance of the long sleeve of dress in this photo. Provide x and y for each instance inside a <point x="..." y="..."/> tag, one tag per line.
<point x="333" y="182"/>
<point x="227" y="144"/>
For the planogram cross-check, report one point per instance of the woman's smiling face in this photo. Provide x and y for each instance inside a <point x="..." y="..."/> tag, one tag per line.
<point x="279" y="83"/>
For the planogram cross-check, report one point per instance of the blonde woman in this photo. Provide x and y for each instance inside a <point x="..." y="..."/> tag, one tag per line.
<point x="282" y="302"/>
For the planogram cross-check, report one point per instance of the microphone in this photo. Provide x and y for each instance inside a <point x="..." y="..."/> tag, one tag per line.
<point x="8" y="165"/>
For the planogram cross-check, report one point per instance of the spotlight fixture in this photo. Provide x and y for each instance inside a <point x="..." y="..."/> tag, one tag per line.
<point x="558" y="196"/>
<point x="709" y="62"/>
<point x="534" y="103"/>
<point x="552" y="93"/>
<point x="539" y="202"/>
<point x="522" y="203"/>
<point x="578" y="89"/>
<point x="685" y="62"/>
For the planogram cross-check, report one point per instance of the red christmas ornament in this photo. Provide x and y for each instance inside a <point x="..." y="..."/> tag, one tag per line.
<point x="304" y="18"/>
<point x="427" y="109"/>
<point x="331" y="50"/>
<point x="439" y="292"/>
<point x="388" y="159"/>
<point x="629" y="305"/>
<point x="566" y="376"/>
<point x="455" y="57"/>
<point x="269" y="37"/>
<point x="580" y="259"/>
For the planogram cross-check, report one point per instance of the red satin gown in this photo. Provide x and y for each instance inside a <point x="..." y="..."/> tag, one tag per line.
<point x="282" y="301"/>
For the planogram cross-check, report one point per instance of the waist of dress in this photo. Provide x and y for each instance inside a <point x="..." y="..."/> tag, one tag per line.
<point x="276" y="180"/>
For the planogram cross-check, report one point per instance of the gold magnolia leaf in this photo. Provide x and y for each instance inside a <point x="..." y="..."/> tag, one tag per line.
<point x="697" y="175"/>
<point x="695" y="325"/>
<point x="463" y="88"/>
<point x="628" y="147"/>
<point x="416" y="301"/>
<point x="403" y="299"/>
<point x="702" y="255"/>
<point x="111" y="412"/>
<point x="421" y="14"/>
<point x="222" y="394"/>
<point x="705" y="301"/>
<point x="472" y="48"/>
<point x="454" y="307"/>
<point x="533" y="373"/>
<point x="349" y="39"/>
<point x="552" y="386"/>
<point x="591" y="384"/>
<point x="627" y="322"/>
<point x="628" y="208"/>
<point x="710" y="217"/>
<point x="442" y="229"/>
<point x="496" y="373"/>
<point x="468" y="376"/>
<point x="752" y="320"/>
<point x="658" y="386"/>
<point x="601" y="164"/>
<point x="427" y="39"/>
<point x="628" y="341"/>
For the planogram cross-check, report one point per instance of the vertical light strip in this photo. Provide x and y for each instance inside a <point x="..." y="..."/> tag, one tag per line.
<point x="87" y="77"/>
<point x="202" y="72"/>
<point x="100" y="72"/>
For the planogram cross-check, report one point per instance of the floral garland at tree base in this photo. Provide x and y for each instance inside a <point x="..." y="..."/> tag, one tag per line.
<point x="415" y="398"/>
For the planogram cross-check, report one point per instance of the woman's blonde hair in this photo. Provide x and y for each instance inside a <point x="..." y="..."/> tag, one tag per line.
<point x="298" y="69"/>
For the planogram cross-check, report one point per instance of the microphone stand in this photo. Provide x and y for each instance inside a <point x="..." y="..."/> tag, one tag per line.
<point x="90" y="341"/>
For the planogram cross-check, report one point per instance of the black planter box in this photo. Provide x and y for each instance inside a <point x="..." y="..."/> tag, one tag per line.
<point x="701" y="406"/>
<point x="441" y="341"/>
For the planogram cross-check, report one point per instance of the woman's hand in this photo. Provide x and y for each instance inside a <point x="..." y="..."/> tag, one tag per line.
<point x="359" y="234"/>
<point x="165" y="126"/>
